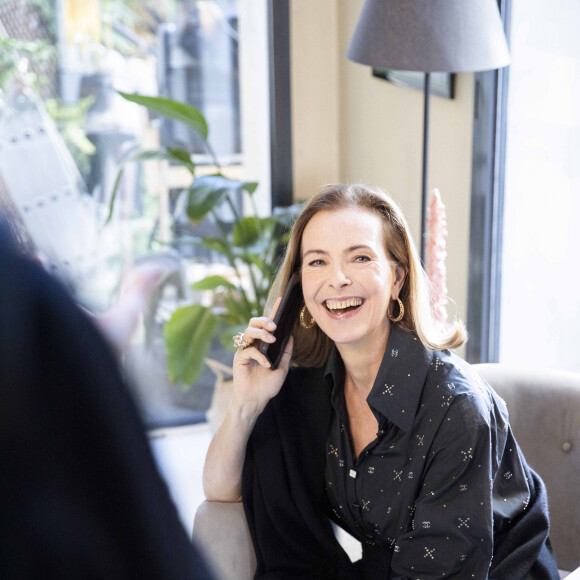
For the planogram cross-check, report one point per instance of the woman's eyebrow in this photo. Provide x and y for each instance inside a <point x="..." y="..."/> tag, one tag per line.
<point x="359" y="247"/>
<point x="314" y="252"/>
<point x="347" y="251"/>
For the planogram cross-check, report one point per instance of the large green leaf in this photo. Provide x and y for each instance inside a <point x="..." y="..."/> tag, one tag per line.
<point x="246" y="232"/>
<point x="206" y="193"/>
<point x="212" y="282"/>
<point x="188" y="336"/>
<point x="254" y="233"/>
<point x="201" y="201"/>
<point x="181" y="157"/>
<point x="171" y="154"/>
<point x="209" y="191"/>
<point x="182" y="112"/>
<point x="249" y="186"/>
<point x="178" y="156"/>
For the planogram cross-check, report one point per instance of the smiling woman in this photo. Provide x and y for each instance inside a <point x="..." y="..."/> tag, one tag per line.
<point x="348" y="280"/>
<point x="378" y="427"/>
<point x="363" y="207"/>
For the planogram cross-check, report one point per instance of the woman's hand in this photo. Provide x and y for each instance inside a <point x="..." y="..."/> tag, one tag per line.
<point x="254" y="383"/>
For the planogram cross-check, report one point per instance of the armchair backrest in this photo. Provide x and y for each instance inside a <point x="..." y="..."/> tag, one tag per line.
<point x="544" y="408"/>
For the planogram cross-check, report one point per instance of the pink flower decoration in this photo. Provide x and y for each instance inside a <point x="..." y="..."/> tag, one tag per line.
<point x="435" y="255"/>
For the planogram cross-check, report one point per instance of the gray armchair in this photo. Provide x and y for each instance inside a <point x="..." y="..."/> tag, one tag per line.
<point x="544" y="408"/>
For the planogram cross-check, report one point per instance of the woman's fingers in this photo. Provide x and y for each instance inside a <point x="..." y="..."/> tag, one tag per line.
<point x="260" y="322"/>
<point x="247" y="355"/>
<point x="251" y="334"/>
<point x="261" y="327"/>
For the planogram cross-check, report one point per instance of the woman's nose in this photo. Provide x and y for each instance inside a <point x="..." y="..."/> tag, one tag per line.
<point x="339" y="278"/>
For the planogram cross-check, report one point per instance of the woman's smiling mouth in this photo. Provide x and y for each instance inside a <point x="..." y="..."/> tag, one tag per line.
<point x="343" y="305"/>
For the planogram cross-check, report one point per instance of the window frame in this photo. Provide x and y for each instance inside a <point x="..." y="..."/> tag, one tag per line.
<point x="487" y="203"/>
<point x="280" y="102"/>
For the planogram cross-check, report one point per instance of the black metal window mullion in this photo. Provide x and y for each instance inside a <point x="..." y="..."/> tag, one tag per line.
<point x="280" y="104"/>
<point x="487" y="195"/>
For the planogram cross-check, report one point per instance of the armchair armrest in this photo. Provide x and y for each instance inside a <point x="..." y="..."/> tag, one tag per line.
<point x="221" y="531"/>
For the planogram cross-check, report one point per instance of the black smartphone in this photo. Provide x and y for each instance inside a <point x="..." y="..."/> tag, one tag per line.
<point x="285" y="318"/>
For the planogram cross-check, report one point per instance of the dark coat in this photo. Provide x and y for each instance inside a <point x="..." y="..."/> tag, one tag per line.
<point x="80" y="494"/>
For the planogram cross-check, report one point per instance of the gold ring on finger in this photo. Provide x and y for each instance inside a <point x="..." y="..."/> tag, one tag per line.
<point x="239" y="341"/>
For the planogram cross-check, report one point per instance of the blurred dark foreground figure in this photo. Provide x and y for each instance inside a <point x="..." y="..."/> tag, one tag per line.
<point x="80" y="495"/>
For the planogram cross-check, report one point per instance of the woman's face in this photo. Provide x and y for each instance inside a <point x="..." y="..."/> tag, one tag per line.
<point x="347" y="278"/>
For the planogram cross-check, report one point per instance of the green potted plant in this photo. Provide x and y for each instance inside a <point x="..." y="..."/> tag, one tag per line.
<point x="250" y="245"/>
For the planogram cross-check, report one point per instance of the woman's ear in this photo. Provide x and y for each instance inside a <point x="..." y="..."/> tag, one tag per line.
<point x="400" y="275"/>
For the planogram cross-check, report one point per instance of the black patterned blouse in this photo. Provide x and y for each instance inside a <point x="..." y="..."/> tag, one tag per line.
<point x="443" y="474"/>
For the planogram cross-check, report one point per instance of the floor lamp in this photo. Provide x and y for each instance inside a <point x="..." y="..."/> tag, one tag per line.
<point x="430" y="36"/>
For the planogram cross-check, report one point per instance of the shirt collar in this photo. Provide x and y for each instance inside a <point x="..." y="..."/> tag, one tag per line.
<point x="399" y="383"/>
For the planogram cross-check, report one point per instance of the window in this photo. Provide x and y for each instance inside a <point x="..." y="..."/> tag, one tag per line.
<point x="540" y="301"/>
<point x="523" y="298"/>
<point x="67" y="59"/>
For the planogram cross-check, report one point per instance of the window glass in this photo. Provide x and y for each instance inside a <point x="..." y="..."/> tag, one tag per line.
<point x="540" y="306"/>
<point x="65" y="131"/>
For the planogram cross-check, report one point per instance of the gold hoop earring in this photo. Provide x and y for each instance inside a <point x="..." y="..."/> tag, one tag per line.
<point x="401" y="312"/>
<point x="303" y="322"/>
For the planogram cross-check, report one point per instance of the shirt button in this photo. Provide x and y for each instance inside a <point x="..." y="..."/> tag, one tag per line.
<point x="566" y="446"/>
<point x="352" y="473"/>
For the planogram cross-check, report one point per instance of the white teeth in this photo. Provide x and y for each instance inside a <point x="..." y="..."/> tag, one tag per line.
<point x="340" y="304"/>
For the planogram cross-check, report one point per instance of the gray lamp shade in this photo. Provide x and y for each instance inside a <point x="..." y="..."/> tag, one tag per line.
<point x="430" y="36"/>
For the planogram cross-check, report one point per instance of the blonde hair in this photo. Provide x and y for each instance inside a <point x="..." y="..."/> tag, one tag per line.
<point x="312" y="346"/>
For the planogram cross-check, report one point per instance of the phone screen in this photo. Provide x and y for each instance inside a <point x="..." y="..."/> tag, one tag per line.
<point x="285" y="318"/>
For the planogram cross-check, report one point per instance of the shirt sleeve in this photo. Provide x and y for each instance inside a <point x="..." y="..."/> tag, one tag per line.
<point x="451" y="534"/>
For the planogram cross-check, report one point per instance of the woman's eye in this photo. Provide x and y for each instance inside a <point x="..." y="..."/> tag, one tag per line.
<point x="362" y="259"/>
<point x="316" y="263"/>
